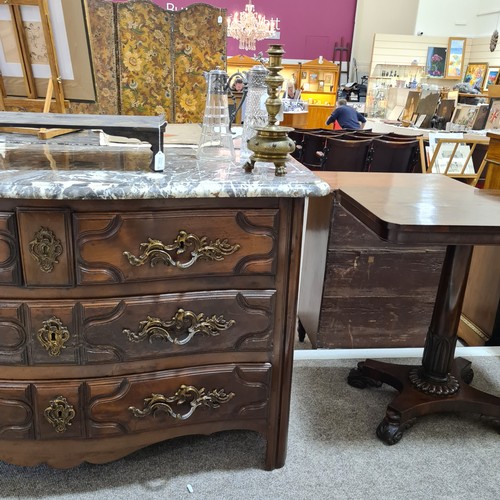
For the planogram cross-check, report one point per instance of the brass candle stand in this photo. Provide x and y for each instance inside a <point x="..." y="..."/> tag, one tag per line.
<point x="271" y="142"/>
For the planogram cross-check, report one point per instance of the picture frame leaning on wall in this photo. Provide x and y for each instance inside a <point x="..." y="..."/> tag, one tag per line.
<point x="475" y="74"/>
<point x="491" y="77"/>
<point x="455" y="58"/>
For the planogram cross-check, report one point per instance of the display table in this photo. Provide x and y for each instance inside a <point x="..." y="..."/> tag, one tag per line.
<point x="137" y="306"/>
<point x="435" y="210"/>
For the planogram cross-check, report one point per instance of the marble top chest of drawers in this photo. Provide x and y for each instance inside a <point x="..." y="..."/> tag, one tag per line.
<point x="137" y="307"/>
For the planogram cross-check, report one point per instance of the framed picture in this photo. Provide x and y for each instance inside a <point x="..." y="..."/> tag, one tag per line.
<point x="493" y="120"/>
<point x="303" y="75"/>
<point x="475" y="74"/>
<point x="436" y="62"/>
<point x="328" y="78"/>
<point x="409" y="112"/>
<point x="463" y="117"/>
<point x="455" y="58"/>
<point x="482" y="116"/>
<point x="313" y="77"/>
<point x="71" y="42"/>
<point x="445" y="109"/>
<point x="491" y="76"/>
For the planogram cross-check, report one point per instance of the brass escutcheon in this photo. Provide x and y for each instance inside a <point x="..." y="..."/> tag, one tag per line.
<point x="53" y="335"/>
<point x="60" y="413"/>
<point x="45" y="248"/>
<point x="186" y="394"/>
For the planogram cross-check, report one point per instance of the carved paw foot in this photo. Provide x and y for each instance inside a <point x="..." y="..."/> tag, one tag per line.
<point x="389" y="433"/>
<point x="390" y="430"/>
<point x="357" y="379"/>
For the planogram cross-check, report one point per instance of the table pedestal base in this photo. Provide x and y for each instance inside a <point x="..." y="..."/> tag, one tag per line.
<point x="414" y="400"/>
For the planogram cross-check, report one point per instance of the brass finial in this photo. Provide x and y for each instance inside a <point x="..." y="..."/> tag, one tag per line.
<point x="271" y="142"/>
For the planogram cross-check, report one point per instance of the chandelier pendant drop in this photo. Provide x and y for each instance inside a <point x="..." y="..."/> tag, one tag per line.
<point x="249" y="27"/>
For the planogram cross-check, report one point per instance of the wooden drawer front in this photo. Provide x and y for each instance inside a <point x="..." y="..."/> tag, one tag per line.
<point x="54" y="336"/>
<point x="155" y="327"/>
<point x="59" y="410"/>
<point x="102" y="407"/>
<point x="46" y="250"/>
<point x="42" y="410"/>
<point x="14" y="336"/>
<point x="132" y="247"/>
<point x="214" y="393"/>
<point x="38" y="333"/>
<point x="10" y="270"/>
<point x="16" y="414"/>
<point x="117" y="330"/>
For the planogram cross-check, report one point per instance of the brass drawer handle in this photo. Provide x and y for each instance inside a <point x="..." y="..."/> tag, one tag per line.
<point x="60" y="413"/>
<point x="186" y="394"/>
<point x="53" y="335"/>
<point x="198" y="248"/>
<point x="184" y="324"/>
<point x="45" y="248"/>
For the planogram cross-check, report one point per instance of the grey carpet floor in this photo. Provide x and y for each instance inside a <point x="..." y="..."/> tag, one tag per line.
<point x="333" y="453"/>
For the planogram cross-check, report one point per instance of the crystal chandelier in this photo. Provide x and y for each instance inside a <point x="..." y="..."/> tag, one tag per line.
<point x="249" y="27"/>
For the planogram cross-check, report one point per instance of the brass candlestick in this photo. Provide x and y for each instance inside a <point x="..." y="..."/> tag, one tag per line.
<point x="271" y="142"/>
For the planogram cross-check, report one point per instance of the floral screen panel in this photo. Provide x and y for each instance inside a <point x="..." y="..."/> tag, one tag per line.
<point x="199" y="44"/>
<point x="143" y="31"/>
<point x="137" y="46"/>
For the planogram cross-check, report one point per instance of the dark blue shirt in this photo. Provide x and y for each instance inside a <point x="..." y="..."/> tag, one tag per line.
<point x="346" y="117"/>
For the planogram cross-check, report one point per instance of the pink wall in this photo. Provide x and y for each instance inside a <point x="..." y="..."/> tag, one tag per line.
<point x="308" y="29"/>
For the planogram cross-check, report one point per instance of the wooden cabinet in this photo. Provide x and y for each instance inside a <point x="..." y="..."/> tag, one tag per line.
<point x="319" y="84"/>
<point x="126" y="322"/>
<point x="358" y="291"/>
<point x="317" y="116"/>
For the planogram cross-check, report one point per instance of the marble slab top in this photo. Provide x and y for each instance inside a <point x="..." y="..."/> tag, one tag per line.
<point x="62" y="172"/>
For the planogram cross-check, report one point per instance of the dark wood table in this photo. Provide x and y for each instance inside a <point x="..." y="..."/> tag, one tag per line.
<point x="434" y="210"/>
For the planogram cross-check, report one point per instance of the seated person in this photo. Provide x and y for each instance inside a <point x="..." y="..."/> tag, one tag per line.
<point x="290" y="92"/>
<point x="346" y="116"/>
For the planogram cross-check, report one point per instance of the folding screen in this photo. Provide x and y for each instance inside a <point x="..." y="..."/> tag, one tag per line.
<point x="150" y="61"/>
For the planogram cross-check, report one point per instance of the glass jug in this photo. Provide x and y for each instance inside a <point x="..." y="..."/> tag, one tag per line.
<point x="216" y="141"/>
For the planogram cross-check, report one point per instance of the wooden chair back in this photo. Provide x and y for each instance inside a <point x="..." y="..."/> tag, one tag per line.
<point x="346" y="155"/>
<point x="393" y="156"/>
<point x="311" y="144"/>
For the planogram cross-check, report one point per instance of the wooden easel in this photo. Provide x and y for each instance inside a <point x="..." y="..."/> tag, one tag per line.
<point x="54" y="87"/>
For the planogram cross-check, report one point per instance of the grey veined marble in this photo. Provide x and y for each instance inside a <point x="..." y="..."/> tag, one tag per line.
<point x="55" y="172"/>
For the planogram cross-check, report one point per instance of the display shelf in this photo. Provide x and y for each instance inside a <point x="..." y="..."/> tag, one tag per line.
<point x="379" y="83"/>
<point x="319" y="75"/>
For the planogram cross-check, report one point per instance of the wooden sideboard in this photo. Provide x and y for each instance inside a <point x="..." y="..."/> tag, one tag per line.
<point x="137" y="307"/>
